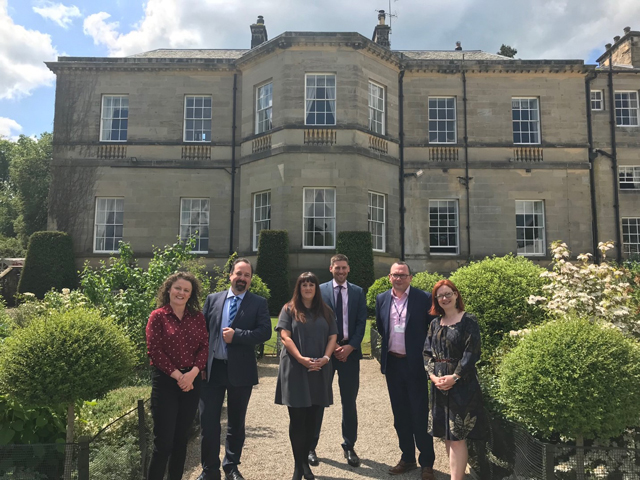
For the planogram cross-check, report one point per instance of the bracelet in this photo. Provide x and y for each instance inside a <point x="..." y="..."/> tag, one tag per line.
<point x="328" y="359"/>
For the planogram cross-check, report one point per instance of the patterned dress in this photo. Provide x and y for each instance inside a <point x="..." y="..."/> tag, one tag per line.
<point x="455" y="414"/>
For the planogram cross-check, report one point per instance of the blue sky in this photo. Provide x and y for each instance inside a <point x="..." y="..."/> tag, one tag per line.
<point x="35" y="31"/>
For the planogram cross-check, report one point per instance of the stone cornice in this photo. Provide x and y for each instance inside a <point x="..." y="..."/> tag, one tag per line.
<point x="497" y="66"/>
<point x="141" y="64"/>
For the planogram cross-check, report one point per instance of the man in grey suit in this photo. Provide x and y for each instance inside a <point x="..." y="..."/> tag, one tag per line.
<point x="348" y="303"/>
<point x="237" y="320"/>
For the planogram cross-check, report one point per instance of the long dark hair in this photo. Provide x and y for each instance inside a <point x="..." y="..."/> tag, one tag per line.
<point x="318" y="307"/>
<point x="193" y="304"/>
<point x="436" y="309"/>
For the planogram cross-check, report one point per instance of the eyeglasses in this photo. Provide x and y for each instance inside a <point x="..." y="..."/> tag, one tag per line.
<point x="445" y="295"/>
<point x="399" y="276"/>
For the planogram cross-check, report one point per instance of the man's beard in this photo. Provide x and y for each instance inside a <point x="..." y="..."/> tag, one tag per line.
<point x="241" y="285"/>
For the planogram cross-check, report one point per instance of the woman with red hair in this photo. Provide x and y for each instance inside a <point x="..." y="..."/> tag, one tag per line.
<point x="452" y="349"/>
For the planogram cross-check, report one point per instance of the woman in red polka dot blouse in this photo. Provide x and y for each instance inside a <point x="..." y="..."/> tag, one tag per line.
<point x="177" y="343"/>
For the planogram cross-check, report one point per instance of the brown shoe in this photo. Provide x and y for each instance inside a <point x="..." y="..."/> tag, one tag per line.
<point x="403" y="467"/>
<point x="427" y="473"/>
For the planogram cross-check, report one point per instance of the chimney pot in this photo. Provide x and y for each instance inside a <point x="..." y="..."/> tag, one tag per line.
<point x="607" y="46"/>
<point x="260" y="20"/>
<point x="381" y="31"/>
<point x="627" y="30"/>
<point x="458" y="45"/>
<point x="616" y="38"/>
<point x="258" y="32"/>
<point x="381" y="16"/>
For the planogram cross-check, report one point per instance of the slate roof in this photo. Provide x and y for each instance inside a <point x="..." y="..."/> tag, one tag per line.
<point x="191" y="53"/>
<point x="450" y="55"/>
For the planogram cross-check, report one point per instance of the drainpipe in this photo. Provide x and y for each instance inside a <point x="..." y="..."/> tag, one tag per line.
<point x="401" y="178"/>
<point x="592" y="173"/>
<point x="233" y="165"/>
<point x="466" y="157"/>
<point x="614" y="161"/>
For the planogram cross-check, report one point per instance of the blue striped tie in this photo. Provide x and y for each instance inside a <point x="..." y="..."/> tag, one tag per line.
<point x="233" y="309"/>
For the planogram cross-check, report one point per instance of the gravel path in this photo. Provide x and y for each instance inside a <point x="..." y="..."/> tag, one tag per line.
<point x="267" y="452"/>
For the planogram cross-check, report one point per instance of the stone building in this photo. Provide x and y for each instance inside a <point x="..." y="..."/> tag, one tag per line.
<point x="444" y="156"/>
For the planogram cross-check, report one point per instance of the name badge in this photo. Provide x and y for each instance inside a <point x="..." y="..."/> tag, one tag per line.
<point x="399" y="328"/>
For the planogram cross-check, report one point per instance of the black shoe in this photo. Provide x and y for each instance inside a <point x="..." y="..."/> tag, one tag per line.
<point x="233" y="475"/>
<point x="307" y="473"/>
<point x="313" y="459"/>
<point x="215" y="476"/>
<point x="352" y="458"/>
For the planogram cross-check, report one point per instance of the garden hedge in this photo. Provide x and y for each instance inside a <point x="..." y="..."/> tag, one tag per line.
<point x="358" y="248"/>
<point x="49" y="264"/>
<point x="273" y="267"/>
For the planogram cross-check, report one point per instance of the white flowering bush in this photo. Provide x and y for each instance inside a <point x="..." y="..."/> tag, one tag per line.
<point x="588" y="290"/>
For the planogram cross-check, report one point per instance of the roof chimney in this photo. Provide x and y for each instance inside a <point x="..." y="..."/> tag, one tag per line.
<point x="382" y="31"/>
<point x="458" y="45"/>
<point x="607" y="46"/>
<point x="616" y="38"/>
<point x="258" y="32"/>
<point x="627" y="30"/>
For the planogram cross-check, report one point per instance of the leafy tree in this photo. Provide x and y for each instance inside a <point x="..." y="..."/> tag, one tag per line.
<point x="10" y="247"/>
<point x="358" y="248"/>
<point x="507" y="51"/>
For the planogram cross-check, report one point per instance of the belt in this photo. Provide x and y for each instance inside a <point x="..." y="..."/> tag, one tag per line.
<point x="447" y="360"/>
<point x="185" y="370"/>
<point x="343" y="342"/>
<point x="397" y="355"/>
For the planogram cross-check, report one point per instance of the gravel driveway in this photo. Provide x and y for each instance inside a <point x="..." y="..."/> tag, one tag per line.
<point x="267" y="452"/>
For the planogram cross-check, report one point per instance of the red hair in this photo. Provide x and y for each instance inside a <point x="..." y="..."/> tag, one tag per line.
<point x="436" y="309"/>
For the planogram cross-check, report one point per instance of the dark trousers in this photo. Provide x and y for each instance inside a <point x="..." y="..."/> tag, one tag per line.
<point x="349" y="384"/>
<point x="173" y="412"/>
<point x="410" y="405"/>
<point x="302" y="427"/>
<point x="211" y="400"/>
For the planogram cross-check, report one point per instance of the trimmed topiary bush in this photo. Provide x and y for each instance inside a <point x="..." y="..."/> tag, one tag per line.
<point x="426" y="281"/>
<point x="273" y="267"/>
<point x="358" y="248"/>
<point x="49" y="264"/>
<point x="497" y="291"/>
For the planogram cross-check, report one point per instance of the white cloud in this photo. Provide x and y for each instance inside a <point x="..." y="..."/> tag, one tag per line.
<point x="9" y="128"/>
<point x="58" y="13"/>
<point x="22" y="53"/>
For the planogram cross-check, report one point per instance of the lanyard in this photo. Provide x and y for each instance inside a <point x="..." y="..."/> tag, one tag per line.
<point x="401" y="311"/>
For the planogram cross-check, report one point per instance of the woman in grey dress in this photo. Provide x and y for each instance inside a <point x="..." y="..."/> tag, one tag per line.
<point x="308" y="331"/>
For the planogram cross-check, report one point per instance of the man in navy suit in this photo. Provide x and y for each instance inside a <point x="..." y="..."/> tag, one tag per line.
<point x="237" y="321"/>
<point x="349" y="304"/>
<point x="402" y="318"/>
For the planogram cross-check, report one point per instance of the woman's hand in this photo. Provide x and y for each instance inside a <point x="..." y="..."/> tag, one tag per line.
<point x="444" y="383"/>
<point x="308" y="363"/>
<point x="185" y="382"/>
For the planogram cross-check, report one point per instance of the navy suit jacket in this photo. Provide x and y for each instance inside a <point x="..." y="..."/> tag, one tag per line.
<point x="252" y="326"/>
<point x="357" y="312"/>
<point x="415" y="334"/>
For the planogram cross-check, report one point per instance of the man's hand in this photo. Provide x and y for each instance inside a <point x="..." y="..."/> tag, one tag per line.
<point x="342" y="353"/>
<point x="227" y="334"/>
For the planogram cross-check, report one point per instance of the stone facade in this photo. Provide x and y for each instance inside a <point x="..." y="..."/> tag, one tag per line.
<point x="481" y="172"/>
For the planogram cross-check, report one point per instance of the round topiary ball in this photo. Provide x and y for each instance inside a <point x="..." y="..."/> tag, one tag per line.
<point x="573" y="377"/>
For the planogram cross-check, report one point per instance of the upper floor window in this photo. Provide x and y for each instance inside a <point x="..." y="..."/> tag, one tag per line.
<point x="626" y="109"/>
<point x="631" y="235"/>
<point x="526" y="120"/>
<point x="376" y="108"/>
<point x="194" y="222"/>
<point x="530" y="231"/>
<point x="442" y="120"/>
<point x="264" y="104"/>
<point x="319" y="218"/>
<point x="629" y="177"/>
<point x="261" y="215"/>
<point x="597" y="102"/>
<point x="443" y="226"/>
<point x="197" y="118"/>
<point x="377" y="220"/>
<point x="320" y="99"/>
<point x="114" y="120"/>
<point x="108" y="224"/>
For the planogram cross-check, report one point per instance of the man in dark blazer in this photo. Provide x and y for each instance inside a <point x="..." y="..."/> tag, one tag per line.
<point x="402" y="318"/>
<point x="349" y="304"/>
<point x="237" y="321"/>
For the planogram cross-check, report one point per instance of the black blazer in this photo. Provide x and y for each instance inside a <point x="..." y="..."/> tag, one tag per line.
<point x="252" y="326"/>
<point x="415" y="334"/>
<point x="357" y="312"/>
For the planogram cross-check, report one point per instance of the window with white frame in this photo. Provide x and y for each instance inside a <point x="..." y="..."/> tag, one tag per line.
<point x="261" y="215"/>
<point x="376" y="108"/>
<point x="377" y="220"/>
<point x="629" y="178"/>
<point x="197" y="118"/>
<point x="530" y="232"/>
<point x="525" y="113"/>
<point x="108" y="224"/>
<point x="114" y="120"/>
<point x="320" y="99"/>
<point x="626" y="109"/>
<point x="264" y="104"/>
<point x="443" y="227"/>
<point x="442" y="120"/>
<point x="597" y="101"/>
<point x="631" y="235"/>
<point x="319" y="218"/>
<point x="194" y="222"/>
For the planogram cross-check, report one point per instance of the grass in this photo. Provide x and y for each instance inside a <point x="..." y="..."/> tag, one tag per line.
<point x="270" y="345"/>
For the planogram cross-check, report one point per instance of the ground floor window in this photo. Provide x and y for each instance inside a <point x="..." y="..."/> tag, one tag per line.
<point x="319" y="218"/>
<point x="631" y="235"/>
<point x="530" y="231"/>
<point x="194" y="222"/>
<point x="443" y="226"/>
<point x="108" y="224"/>
<point x="261" y="215"/>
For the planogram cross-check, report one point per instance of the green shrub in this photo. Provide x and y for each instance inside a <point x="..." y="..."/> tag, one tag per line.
<point x="22" y="424"/>
<point x="358" y="248"/>
<point x="10" y="247"/>
<point x="119" y="461"/>
<point x="49" y="264"/>
<point x="6" y="322"/>
<point x="273" y="267"/>
<point x="574" y="377"/>
<point x="426" y="281"/>
<point x="497" y="291"/>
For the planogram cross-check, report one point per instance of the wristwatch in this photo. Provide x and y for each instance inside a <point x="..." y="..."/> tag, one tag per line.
<point x="455" y="378"/>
